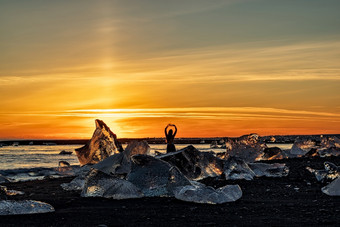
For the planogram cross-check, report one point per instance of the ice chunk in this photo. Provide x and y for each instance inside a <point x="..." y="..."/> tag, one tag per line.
<point x="4" y="179"/>
<point x="10" y="207"/>
<point x="154" y="176"/>
<point x="329" y="146"/>
<point x="137" y="147"/>
<point x="247" y="147"/>
<point x="271" y="153"/>
<point x="77" y="184"/>
<point x="214" y="144"/>
<point x="195" y="165"/>
<point x="312" y="153"/>
<point x="102" y="144"/>
<point x="269" y="170"/>
<point x="237" y="169"/>
<point x="331" y="141"/>
<point x="302" y="146"/>
<point x="120" y="163"/>
<point x="3" y="192"/>
<point x="207" y="194"/>
<point x="99" y="184"/>
<point x="332" y="189"/>
<point x="330" y="172"/>
<point x="117" y="164"/>
<point x="64" y="168"/>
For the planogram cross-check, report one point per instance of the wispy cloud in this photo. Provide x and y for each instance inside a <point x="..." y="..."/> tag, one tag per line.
<point x="189" y="112"/>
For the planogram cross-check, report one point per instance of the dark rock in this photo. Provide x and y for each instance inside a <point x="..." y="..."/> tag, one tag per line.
<point x="63" y="152"/>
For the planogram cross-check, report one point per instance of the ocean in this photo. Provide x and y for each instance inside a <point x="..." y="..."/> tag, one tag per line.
<point x="30" y="162"/>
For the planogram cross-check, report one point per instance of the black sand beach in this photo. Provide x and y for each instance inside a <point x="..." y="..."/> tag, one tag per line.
<point x="293" y="200"/>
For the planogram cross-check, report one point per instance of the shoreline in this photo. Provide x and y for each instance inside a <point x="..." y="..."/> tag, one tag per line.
<point x="293" y="200"/>
<point x="159" y="140"/>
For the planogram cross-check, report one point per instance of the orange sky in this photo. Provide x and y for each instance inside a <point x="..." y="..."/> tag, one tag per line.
<point x="214" y="69"/>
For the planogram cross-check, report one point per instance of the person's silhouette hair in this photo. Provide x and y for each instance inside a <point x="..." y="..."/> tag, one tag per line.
<point x="170" y="137"/>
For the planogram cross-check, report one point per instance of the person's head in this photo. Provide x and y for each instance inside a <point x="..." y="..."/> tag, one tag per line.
<point x="170" y="132"/>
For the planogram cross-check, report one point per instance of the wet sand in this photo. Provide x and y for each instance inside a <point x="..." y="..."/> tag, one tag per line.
<point x="289" y="201"/>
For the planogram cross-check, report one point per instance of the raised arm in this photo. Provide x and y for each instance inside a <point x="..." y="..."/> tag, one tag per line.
<point x="175" y="130"/>
<point x="165" y="130"/>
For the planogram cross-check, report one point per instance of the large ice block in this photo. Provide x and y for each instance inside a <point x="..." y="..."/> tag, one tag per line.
<point x="154" y="176"/>
<point x="237" y="169"/>
<point x="206" y="194"/>
<point x="330" y="172"/>
<point x="102" y="144"/>
<point x="195" y="165"/>
<point x="248" y="147"/>
<point x="269" y="170"/>
<point x="11" y="207"/>
<point x="302" y="146"/>
<point x="332" y="189"/>
<point x="99" y="184"/>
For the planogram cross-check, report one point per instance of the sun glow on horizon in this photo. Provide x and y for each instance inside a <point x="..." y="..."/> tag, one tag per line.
<point x="191" y="121"/>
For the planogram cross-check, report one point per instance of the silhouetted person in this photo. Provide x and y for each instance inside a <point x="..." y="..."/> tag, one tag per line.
<point x="170" y="136"/>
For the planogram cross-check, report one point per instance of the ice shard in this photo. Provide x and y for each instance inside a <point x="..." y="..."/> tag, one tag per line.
<point x="237" y="169"/>
<point x="312" y="153"/>
<point x="207" y="194"/>
<point x="269" y="170"/>
<point x="120" y="163"/>
<point x="4" y="179"/>
<point x="248" y="147"/>
<point x="117" y="164"/>
<point x="99" y="184"/>
<point x="102" y="144"/>
<point x="64" y="168"/>
<point x="155" y="177"/>
<point x="332" y="189"/>
<point x="329" y="146"/>
<point x="272" y="153"/>
<point x="214" y="144"/>
<point x="330" y="172"/>
<point x="11" y="207"/>
<point x="302" y="146"/>
<point x="137" y="147"/>
<point x="4" y="192"/>
<point x="195" y="165"/>
<point x="77" y="184"/>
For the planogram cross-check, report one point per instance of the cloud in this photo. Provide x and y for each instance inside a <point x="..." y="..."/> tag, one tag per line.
<point x="189" y="112"/>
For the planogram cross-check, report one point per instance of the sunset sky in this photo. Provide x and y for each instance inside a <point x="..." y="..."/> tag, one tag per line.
<point x="213" y="68"/>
